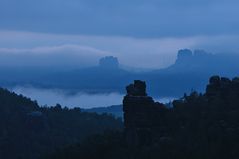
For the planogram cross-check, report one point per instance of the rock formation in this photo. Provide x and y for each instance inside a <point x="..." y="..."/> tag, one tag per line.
<point x="140" y="111"/>
<point x="193" y="117"/>
<point x="220" y="87"/>
<point x="109" y="62"/>
<point x="185" y="53"/>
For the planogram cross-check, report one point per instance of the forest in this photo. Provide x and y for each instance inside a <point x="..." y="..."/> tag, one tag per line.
<point x="28" y="131"/>
<point x="126" y="79"/>
<point x="197" y="126"/>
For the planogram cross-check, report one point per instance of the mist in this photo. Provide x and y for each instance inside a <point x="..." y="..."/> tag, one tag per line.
<point x="64" y="51"/>
<point x="51" y="97"/>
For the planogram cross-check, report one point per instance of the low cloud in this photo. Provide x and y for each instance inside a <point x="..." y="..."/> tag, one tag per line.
<point x="55" y="49"/>
<point x="51" y="97"/>
<point x="142" y="18"/>
<point x="75" y="51"/>
<point x="49" y="49"/>
<point x="81" y="99"/>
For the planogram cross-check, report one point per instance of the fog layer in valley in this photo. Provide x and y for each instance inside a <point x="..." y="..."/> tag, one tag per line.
<point x="80" y="99"/>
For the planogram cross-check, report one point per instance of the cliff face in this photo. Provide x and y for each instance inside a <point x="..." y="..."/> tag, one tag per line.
<point x="205" y="124"/>
<point x="219" y="87"/>
<point x="140" y="111"/>
<point x="109" y="62"/>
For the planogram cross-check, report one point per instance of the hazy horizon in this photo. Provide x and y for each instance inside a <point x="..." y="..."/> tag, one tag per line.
<point x="39" y="37"/>
<point x="121" y="79"/>
<point x="144" y="34"/>
<point x="51" y="97"/>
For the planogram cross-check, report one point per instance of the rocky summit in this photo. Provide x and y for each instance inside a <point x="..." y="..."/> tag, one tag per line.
<point x="205" y="125"/>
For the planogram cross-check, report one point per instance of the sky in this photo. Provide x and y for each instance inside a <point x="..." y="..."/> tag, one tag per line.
<point x="141" y="33"/>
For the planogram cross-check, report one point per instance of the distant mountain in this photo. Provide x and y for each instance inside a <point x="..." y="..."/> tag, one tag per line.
<point x="115" y="110"/>
<point x="107" y="77"/>
<point x="204" y="63"/>
<point x="189" y="72"/>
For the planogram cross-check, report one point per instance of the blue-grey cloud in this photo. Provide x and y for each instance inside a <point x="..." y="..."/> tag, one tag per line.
<point x="75" y="51"/>
<point x="81" y="99"/>
<point x="141" y="18"/>
<point x="34" y="49"/>
<point x="63" y="57"/>
<point x="51" y="97"/>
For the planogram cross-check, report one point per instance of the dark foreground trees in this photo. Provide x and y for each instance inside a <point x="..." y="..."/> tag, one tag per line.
<point x="199" y="126"/>
<point x="28" y="131"/>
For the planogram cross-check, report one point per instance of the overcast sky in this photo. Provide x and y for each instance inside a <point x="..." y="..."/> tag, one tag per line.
<point x="142" y="33"/>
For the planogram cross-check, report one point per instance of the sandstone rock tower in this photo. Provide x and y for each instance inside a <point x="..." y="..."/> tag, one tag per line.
<point x="140" y="111"/>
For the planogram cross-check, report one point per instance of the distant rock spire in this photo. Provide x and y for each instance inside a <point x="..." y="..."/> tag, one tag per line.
<point x="184" y="53"/>
<point x="109" y="62"/>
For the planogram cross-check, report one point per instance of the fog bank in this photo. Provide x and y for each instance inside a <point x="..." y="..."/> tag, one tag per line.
<point x="84" y="100"/>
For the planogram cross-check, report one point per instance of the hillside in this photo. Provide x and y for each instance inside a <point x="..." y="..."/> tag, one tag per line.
<point x="29" y="131"/>
<point x="116" y="110"/>
<point x="197" y="126"/>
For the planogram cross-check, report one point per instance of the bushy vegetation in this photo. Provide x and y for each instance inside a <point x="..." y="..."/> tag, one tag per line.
<point x="28" y="131"/>
<point x="199" y="126"/>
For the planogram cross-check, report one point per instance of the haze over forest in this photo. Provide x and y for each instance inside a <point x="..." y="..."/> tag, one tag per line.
<point x="103" y="84"/>
<point x="121" y="79"/>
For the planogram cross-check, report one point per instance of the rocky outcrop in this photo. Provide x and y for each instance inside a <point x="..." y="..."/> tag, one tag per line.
<point x="197" y="57"/>
<point x="195" y="116"/>
<point x="109" y="62"/>
<point x="221" y="87"/>
<point x="140" y="114"/>
<point x="136" y="89"/>
<point x="184" y="53"/>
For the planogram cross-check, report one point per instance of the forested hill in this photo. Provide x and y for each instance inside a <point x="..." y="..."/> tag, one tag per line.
<point x="198" y="126"/>
<point x="115" y="110"/>
<point x="28" y="131"/>
<point x="10" y="102"/>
